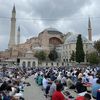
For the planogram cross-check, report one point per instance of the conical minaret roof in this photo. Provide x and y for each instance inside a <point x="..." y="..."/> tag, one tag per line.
<point x="14" y="9"/>
<point x="18" y="28"/>
<point x="89" y="23"/>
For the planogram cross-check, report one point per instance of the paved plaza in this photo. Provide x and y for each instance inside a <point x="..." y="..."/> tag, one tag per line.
<point x="33" y="92"/>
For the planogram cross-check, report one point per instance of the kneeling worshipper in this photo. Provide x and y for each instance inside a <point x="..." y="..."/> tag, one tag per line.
<point x="80" y="87"/>
<point x="85" y="97"/>
<point x="95" y="88"/>
<point x="57" y="95"/>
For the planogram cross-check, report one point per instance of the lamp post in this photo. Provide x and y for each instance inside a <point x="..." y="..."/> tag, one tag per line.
<point x="3" y="70"/>
<point x="18" y="59"/>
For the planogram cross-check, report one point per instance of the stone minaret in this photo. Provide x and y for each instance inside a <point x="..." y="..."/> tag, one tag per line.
<point x="13" y="29"/>
<point x="18" y="36"/>
<point x="89" y="30"/>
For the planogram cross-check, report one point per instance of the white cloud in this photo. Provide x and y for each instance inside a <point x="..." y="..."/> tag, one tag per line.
<point x="68" y="15"/>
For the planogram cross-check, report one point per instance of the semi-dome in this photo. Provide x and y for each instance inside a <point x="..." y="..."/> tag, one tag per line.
<point x="66" y="36"/>
<point x="52" y="31"/>
<point x="38" y="48"/>
<point x="29" y="52"/>
<point x="73" y="39"/>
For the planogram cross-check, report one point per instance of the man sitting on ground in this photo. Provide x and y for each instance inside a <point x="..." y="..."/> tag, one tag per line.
<point x="95" y="87"/>
<point x="80" y="87"/>
<point x="85" y="97"/>
<point x="57" y="95"/>
<point x="70" y="83"/>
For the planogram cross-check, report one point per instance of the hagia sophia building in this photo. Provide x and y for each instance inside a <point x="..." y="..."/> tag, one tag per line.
<point x="46" y="40"/>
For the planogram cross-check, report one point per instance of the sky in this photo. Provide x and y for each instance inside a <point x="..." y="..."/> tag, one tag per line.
<point x="33" y="16"/>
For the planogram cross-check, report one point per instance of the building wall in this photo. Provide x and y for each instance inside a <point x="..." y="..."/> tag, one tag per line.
<point x="51" y="64"/>
<point x="28" y="60"/>
<point x="67" y="50"/>
<point x="41" y="41"/>
<point x="5" y="54"/>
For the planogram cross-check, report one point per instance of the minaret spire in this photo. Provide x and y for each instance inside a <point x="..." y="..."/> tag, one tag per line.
<point x="89" y="23"/>
<point x="18" y="35"/>
<point x="14" y="9"/>
<point x="89" y="29"/>
<point x="13" y="29"/>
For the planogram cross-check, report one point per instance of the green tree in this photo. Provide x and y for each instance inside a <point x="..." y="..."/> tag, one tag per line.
<point x="73" y="56"/>
<point x="93" y="58"/>
<point x="79" y="50"/>
<point x="53" y="55"/>
<point x="41" y="55"/>
<point x="97" y="46"/>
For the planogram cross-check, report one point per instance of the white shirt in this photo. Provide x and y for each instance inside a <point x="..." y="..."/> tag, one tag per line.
<point x="90" y="79"/>
<point x="35" y="76"/>
<point x="94" y="80"/>
<point x="59" y="77"/>
<point x="45" y="83"/>
<point x="63" y="80"/>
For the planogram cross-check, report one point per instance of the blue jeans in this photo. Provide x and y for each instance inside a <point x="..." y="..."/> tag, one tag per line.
<point x="98" y="96"/>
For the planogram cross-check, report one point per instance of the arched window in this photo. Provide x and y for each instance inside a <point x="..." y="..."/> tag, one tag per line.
<point x="57" y="64"/>
<point x="63" y="60"/>
<point x="62" y="64"/>
<point x="24" y="64"/>
<point x="55" y="41"/>
<point x="52" y="64"/>
<point x="29" y="64"/>
<point x="33" y="64"/>
<point x="46" y="64"/>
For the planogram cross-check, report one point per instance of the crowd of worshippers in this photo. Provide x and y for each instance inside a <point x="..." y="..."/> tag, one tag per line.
<point x="12" y="83"/>
<point x="53" y="80"/>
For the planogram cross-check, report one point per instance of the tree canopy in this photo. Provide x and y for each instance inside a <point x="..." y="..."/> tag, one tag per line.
<point x="93" y="58"/>
<point x="53" y="55"/>
<point x="97" y="45"/>
<point x="41" y="55"/>
<point x="73" y="56"/>
<point x="79" y="50"/>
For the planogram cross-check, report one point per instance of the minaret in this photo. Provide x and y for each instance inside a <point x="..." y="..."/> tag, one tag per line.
<point x="89" y="30"/>
<point x="13" y="28"/>
<point x="18" y="36"/>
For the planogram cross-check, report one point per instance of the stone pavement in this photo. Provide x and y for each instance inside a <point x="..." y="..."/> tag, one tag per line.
<point x="33" y="92"/>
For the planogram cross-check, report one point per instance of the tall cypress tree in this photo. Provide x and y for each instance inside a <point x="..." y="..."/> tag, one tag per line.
<point x="79" y="50"/>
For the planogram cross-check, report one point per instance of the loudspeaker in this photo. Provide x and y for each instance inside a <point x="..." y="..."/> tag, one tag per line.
<point x="18" y="60"/>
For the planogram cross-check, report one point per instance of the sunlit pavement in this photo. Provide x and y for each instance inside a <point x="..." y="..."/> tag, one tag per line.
<point x="33" y="92"/>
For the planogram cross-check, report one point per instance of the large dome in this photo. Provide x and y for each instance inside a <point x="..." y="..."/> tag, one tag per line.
<point x="73" y="39"/>
<point x="52" y="31"/>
